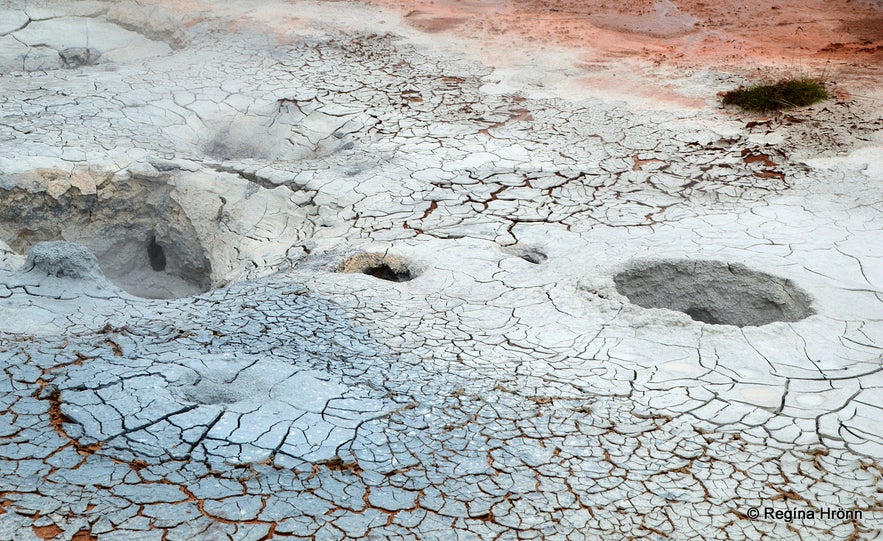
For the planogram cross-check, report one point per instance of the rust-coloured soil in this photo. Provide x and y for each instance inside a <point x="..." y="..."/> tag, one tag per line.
<point x="685" y="32"/>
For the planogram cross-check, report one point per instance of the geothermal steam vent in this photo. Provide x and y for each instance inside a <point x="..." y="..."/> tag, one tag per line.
<point x="714" y="292"/>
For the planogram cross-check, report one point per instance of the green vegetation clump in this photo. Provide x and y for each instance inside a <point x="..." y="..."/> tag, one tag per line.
<point x="782" y="95"/>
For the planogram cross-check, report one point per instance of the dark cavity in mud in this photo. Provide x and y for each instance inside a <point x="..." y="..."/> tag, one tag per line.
<point x="156" y="255"/>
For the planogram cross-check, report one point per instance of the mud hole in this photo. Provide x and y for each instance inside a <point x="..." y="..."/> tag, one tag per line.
<point x="714" y="292"/>
<point x="385" y="267"/>
<point x="140" y="235"/>
<point x="532" y="255"/>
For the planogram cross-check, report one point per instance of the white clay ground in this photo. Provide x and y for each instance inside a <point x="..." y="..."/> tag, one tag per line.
<point x="228" y="367"/>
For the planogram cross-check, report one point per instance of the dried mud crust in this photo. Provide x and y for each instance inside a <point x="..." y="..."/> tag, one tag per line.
<point x="492" y="398"/>
<point x="34" y="40"/>
<point x="449" y="154"/>
<point x="179" y="437"/>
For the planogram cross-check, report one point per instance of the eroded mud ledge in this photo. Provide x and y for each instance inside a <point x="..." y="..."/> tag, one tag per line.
<point x="351" y="282"/>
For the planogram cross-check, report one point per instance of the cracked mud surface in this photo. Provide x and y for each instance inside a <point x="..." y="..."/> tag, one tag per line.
<point x="351" y="282"/>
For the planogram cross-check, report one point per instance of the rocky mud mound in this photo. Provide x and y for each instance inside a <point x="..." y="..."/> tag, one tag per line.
<point x="63" y="260"/>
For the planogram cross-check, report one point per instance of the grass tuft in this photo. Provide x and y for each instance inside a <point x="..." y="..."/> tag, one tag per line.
<point x="785" y="94"/>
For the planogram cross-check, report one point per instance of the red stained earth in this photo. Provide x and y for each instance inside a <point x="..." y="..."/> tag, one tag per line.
<point x="691" y="32"/>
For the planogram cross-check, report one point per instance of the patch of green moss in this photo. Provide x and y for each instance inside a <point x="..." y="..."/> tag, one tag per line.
<point x="785" y="94"/>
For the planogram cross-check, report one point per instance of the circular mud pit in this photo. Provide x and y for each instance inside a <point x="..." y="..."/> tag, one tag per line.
<point x="714" y="292"/>
<point x="385" y="267"/>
